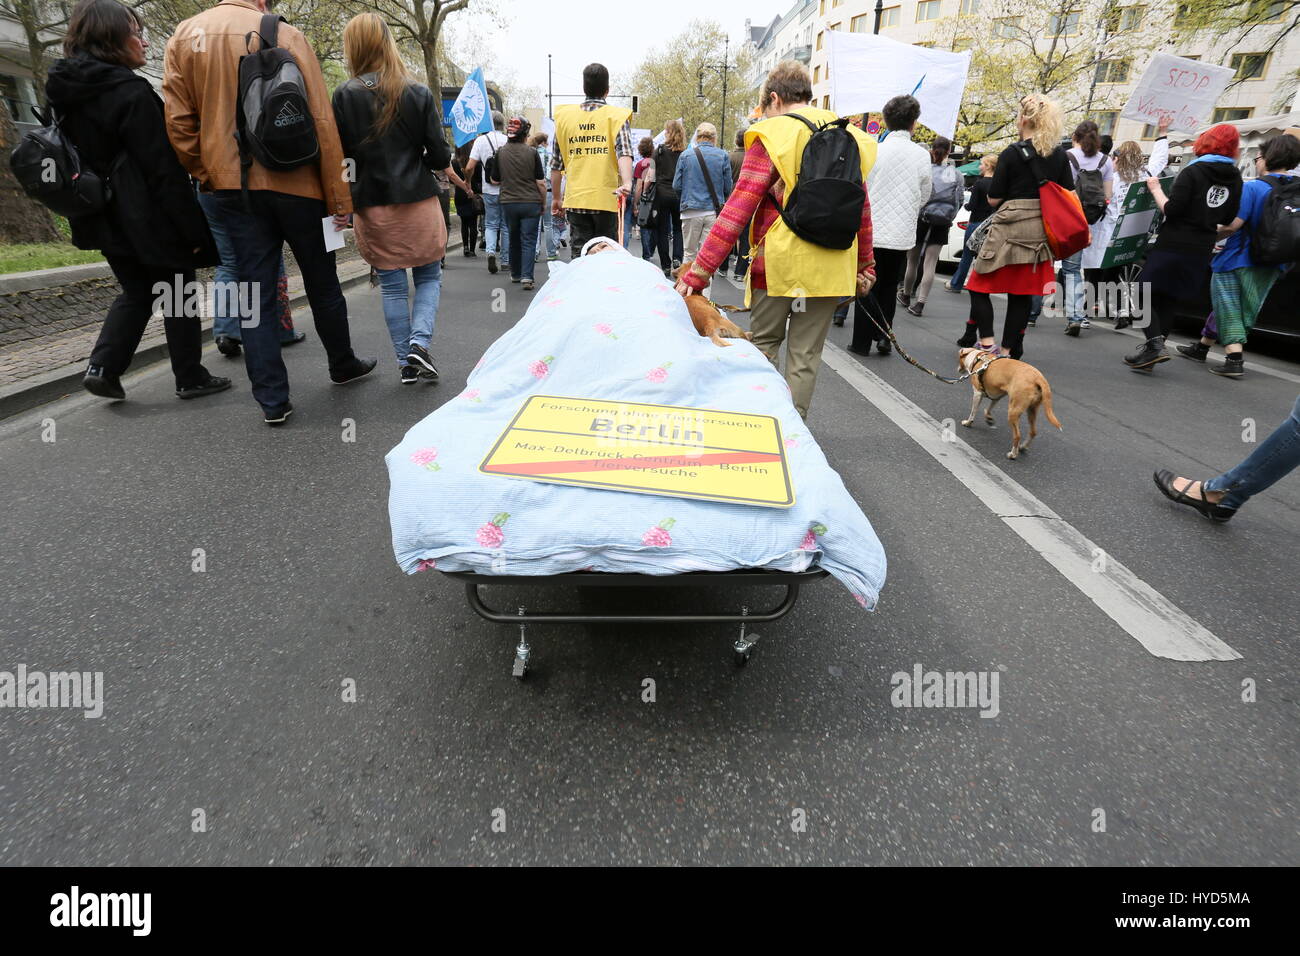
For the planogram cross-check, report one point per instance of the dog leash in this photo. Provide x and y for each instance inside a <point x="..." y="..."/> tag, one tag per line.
<point x="911" y="361"/>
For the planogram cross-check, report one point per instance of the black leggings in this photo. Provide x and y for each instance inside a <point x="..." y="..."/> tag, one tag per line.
<point x="890" y="266"/>
<point x="1013" y="330"/>
<point x="469" y="230"/>
<point x="1162" y="309"/>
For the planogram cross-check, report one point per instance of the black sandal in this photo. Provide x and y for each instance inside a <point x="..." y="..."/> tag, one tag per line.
<point x="1165" y="482"/>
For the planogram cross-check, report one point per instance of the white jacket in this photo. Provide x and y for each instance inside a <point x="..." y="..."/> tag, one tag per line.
<point x="898" y="186"/>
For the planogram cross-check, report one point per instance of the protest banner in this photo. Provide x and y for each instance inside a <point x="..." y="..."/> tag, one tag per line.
<point x="1182" y="89"/>
<point x="1137" y="218"/>
<point x="866" y="71"/>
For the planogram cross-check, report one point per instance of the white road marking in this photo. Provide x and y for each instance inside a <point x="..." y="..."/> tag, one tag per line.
<point x="1143" y="612"/>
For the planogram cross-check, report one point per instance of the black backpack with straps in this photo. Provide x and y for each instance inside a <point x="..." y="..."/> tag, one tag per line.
<point x="825" y="205"/>
<point x="1090" y="186"/>
<point x="274" y="124"/>
<point x="1275" y="239"/>
<point x="49" y="169"/>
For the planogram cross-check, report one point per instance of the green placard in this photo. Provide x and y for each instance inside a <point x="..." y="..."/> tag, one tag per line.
<point x="1138" y="219"/>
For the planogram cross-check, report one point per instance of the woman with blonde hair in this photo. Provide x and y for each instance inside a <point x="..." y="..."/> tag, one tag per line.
<point x="667" y="202"/>
<point x="391" y="129"/>
<point x="1015" y="258"/>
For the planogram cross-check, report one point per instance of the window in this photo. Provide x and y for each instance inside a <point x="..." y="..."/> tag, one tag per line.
<point x="960" y="43"/>
<point x="861" y="24"/>
<point x="1181" y="15"/>
<point x="1006" y="26"/>
<point x="927" y="10"/>
<point x="970" y="7"/>
<point x="817" y="75"/>
<point x="819" y="40"/>
<point x="1113" y="71"/>
<point x="1148" y="132"/>
<point x="835" y="26"/>
<point x="1266" y="11"/>
<point x="821" y="8"/>
<point x="1065" y="24"/>
<point x="1249" y="66"/>
<point x="1106" y="121"/>
<point x="926" y="45"/>
<point x="826" y="102"/>
<point x="1130" y="18"/>
<point x="889" y="17"/>
<point x="1231" y="115"/>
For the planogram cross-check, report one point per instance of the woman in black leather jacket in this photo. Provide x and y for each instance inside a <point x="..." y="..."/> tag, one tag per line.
<point x="391" y="129"/>
<point x="152" y="232"/>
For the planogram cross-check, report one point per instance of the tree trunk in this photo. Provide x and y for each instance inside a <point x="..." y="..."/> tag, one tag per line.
<point x="22" y="219"/>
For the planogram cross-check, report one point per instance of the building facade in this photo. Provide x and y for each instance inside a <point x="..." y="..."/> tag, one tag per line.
<point x="1113" y="40"/>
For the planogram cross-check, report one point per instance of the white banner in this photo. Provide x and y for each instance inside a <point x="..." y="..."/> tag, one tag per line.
<point x="1182" y="89"/>
<point x="867" y="71"/>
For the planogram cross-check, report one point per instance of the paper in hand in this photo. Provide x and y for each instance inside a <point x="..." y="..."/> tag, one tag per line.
<point x="333" y="237"/>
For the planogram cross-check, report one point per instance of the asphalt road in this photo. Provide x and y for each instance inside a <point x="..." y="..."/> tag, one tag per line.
<point x="224" y="689"/>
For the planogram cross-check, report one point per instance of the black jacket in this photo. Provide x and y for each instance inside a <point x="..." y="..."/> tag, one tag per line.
<point x="115" y="119"/>
<point x="1205" y="195"/>
<point x="396" y="166"/>
<point x="978" y="204"/>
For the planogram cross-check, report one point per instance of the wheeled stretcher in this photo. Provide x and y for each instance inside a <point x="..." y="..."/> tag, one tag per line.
<point x="742" y="648"/>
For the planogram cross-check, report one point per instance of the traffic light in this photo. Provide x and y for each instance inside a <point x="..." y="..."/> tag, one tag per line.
<point x="634" y="103"/>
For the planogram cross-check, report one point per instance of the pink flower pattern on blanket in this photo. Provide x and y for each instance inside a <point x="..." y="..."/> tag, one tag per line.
<point x="658" y="536"/>
<point x="605" y="330"/>
<point x="426" y="458"/>
<point x="542" y="367"/>
<point x="426" y="564"/>
<point x="792" y="441"/>
<point x="491" y="535"/>
<point x="471" y="394"/>
<point x="809" y="542"/>
<point x="658" y="374"/>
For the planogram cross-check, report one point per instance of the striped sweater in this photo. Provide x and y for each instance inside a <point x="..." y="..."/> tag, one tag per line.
<point x="755" y="197"/>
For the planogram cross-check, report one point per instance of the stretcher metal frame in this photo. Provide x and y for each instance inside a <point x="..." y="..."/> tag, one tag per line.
<point x="742" y="648"/>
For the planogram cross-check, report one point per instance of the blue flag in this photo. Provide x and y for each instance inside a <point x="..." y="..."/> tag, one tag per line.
<point x="470" y="114"/>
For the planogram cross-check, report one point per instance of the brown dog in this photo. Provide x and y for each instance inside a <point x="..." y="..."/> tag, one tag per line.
<point x="1002" y="377"/>
<point x="706" y="318"/>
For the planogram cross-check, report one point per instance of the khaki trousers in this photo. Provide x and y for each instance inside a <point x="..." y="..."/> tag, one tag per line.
<point x="802" y="324"/>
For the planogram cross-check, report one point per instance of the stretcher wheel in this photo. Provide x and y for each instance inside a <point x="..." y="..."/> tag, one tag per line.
<point x="520" y="668"/>
<point x="742" y="657"/>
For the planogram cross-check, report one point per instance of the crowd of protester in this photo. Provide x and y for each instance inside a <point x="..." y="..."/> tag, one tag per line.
<point x="190" y="196"/>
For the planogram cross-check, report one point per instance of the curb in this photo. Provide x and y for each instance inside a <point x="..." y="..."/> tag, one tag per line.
<point x="61" y="382"/>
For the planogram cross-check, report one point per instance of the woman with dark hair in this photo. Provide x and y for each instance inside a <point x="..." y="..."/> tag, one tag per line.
<point x="1205" y="195"/>
<point x="1086" y="159"/>
<point x="523" y="197"/>
<point x="667" y="202"/>
<point x="642" y="173"/>
<point x="391" y="127"/>
<point x="467" y="201"/>
<point x="152" y="231"/>
<point x="936" y="218"/>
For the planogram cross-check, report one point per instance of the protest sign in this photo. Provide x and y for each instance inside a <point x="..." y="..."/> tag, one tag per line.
<point x="1182" y="89"/>
<point x="866" y="71"/>
<point x="1137" y="218"/>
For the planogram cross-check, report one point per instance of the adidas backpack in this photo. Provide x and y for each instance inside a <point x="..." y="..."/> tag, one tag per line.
<point x="274" y="124"/>
<point x="1090" y="187"/>
<point x="48" y="167"/>
<point x="825" y="205"/>
<point x="1276" y="239"/>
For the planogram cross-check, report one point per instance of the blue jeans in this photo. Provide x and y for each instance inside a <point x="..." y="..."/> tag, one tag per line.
<point x="225" y="320"/>
<point x="958" y="280"/>
<point x="522" y="219"/>
<point x="1276" y="456"/>
<point x="258" y="234"/>
<point x="410" y="321"/>
<point x="1072" y="272"/>
<point x="492" y="228"/>
<point x="629" y="226"/>
<point x="546" y="229"/>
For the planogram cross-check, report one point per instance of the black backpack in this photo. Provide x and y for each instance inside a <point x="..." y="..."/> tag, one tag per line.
<point x="49" y="168"/>
<point x="492" y="167"/>
<point x="274" y="124"/>
<point x="941" y="209"/>
<point x="1276" y="239"/>
<point x="825" y="205"/>
<point x="1090" y="187"/>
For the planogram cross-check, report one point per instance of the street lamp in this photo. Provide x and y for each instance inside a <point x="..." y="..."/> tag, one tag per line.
<point x="723" y="68"/>
<point x="880" y="8"/>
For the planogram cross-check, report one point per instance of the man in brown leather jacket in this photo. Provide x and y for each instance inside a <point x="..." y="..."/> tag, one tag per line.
<point x="201" y="91"/>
